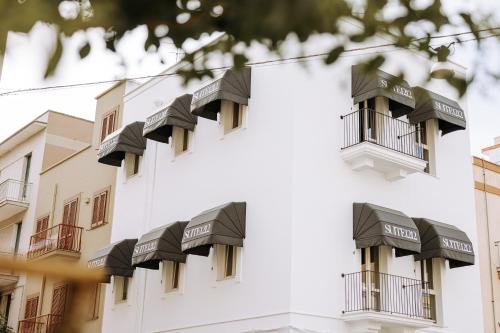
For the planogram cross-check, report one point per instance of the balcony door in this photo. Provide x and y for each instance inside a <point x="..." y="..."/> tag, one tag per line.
<point x="370" y="278"/>
<point x="30" y="311"/>
<point x="59" y="300"/>
<point x="67" y="235"/>
<point x="367" y="121"/>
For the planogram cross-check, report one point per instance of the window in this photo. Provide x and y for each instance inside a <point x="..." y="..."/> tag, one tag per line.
<point x="172" y="271"/>
<point x="70" y="212"/>
<point x="94" y="301"/>
<point x="422" y="139"/>
<point x="181" y="140"/>
<point x="27" y="167"/>
<point x="59" y="299"/>
<point x="232" y="115"/>
<point x="121" y="285"/>
<point x="42" y="225"/>
<point x="108" y="124"/>
<point x="132" y="164"/>
<point x="99" y="209"/>
<point x="370" y="277"/>
<point x="18" y="237"/>
<point x="226" y="261"/>
<point x="429" y="295"/>
<point x="31" y="307"/>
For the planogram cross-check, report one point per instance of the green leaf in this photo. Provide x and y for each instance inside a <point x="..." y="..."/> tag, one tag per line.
<point x="84" y="51"/>
<point x="54" y="58"/>
<point x="334" y="54"/>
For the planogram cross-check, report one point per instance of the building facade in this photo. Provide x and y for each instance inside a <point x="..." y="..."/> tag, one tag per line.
<point x="487" y="197"/>
<point x="73" y="219"/>
<point x="284" y="199"/>
<point x="44" y="141"/>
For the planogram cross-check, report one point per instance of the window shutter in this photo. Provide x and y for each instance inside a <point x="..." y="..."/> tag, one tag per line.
<point x="102" y="207"/>
<point x="104" y="128"/>
<point x="59" y="300"/>
<point x="72" y="214"/>
<point x="65" y="214"/>
<point x="111" y="122"/>
<point x="95" y="211"/>
<point x="31" y="307"/>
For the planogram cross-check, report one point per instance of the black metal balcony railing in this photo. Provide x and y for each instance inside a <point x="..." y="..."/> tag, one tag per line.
<point x="380" y="292"/>
<point x="42" y="324"/>
<point x="64" y="237"/>
<point x="14" y="190"/>
<point x="367" y="125"/>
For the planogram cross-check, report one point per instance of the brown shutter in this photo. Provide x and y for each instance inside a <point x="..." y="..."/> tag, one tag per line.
<point x="102" y="207"/>
<point x="95" y="211"/>
<point x="31" y="307"/>
<point x="111" y="122"/>
<point x="59" y="297"/>
<point x="65" y="214"/>
<point x="72" y="212"/>
<point x="104" y="128"/>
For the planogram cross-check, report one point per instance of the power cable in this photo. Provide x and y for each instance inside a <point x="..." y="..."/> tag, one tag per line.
<point x="255" y="63"/>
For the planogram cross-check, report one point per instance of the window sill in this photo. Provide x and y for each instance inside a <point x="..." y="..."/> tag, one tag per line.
<point x="97" y="226"/>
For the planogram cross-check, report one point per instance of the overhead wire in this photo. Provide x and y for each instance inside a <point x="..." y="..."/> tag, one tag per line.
<point x="256" y="63"/>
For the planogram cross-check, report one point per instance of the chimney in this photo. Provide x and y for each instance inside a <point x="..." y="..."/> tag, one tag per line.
<point x="493" y="152"/>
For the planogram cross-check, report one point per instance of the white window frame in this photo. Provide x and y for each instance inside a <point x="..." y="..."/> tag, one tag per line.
<point x="167" y="273"/>
<point x="218" y="264"/>
<point x="226" y="110"/>
<point x="177" y="139"/>
<point x="118" y="284"/>
<point x="129" y="164"/>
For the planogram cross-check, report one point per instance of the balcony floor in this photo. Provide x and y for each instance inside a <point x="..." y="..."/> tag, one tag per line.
<point x="394" y="165"/>
<point x="9" y="208"/>
<point x="373" y="321"/>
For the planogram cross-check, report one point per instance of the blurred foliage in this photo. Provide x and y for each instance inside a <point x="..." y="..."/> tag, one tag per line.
<point x="264" y="21"/>
<point x="4" y="328"/>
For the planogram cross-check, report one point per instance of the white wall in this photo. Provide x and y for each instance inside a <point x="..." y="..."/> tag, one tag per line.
<point x="286" y="165"/>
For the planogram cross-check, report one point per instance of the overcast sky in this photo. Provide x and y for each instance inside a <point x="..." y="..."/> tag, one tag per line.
<point x="27" y="54"/>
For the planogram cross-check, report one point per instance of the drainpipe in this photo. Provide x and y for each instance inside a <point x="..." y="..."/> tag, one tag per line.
<point x="489" y="246"/>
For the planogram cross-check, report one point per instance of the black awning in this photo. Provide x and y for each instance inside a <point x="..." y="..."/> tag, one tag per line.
<point x="379" y="83"/>
<point x="220" y="225"/>
<point x="430" y="105"/>
<point x="440" y="240"/>
<point x="163" y="243"/>
<point x="158" y="126"/>
<point x="375" y="225"/>
<point x="232" y="86"/>
<point x="127" y="139"/>
<point x="115" y="259"/>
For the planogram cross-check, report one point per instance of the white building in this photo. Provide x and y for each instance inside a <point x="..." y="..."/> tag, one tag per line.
<point x="290" y="164"/>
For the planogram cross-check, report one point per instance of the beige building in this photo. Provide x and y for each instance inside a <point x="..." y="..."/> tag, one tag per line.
<point x="46" y="140"/>
<point x="487" y="196"/>
<point x="72" y="220"/>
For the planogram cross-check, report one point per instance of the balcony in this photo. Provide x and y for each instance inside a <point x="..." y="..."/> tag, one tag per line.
<point x="14" y="198"/>
<point x="388" y="300"/>
<point x="8" y="277"/>
<point x="62" y="240"/>
<point x="377" y="141"/>
<point x="43" y="324"/>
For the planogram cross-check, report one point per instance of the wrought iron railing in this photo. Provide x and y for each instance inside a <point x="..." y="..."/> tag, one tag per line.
<point x="42" y="324"/>
<point x="64" y="237"/>
<point x="380" y="292"/>
<point x="15" y="190"/>
<point x="367" y="125"/>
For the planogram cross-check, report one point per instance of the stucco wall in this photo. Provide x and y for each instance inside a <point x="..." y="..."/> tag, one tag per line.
<point x="286" y="165"/>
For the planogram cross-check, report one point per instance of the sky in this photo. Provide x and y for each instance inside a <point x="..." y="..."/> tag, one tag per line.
<point x="27" y="54"/>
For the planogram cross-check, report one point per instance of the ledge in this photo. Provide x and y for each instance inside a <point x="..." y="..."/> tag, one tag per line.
<point x="372" y="321"/>
<point x="392" y="164"/>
